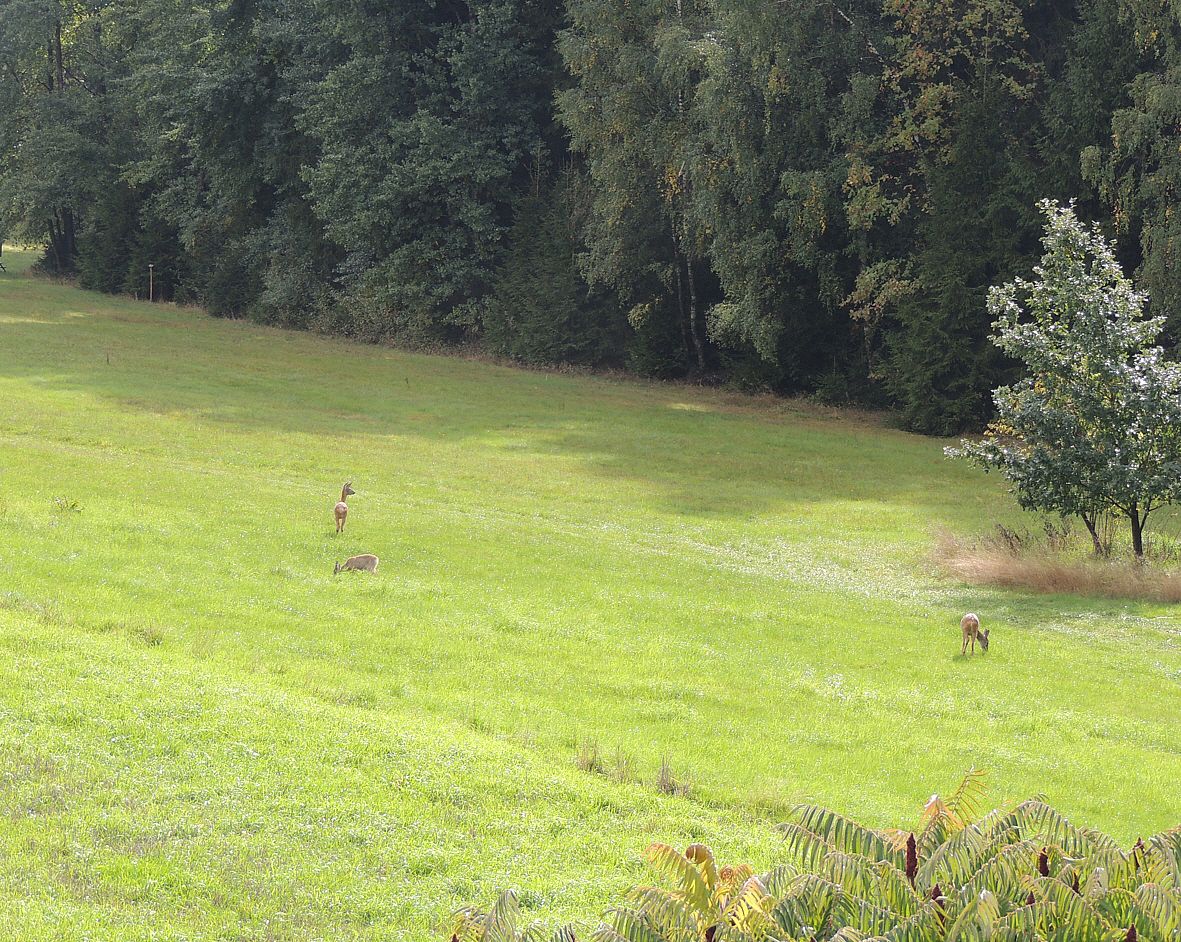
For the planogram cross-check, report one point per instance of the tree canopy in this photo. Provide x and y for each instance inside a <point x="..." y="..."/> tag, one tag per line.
<point x="1095" y="426"/>
<point x="800" y="197"/>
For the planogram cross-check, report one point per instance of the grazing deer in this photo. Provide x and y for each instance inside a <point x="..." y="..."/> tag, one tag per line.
<point x="366" y="562"/>
<point x="342" y="509"/>
<point x="970" y="626"/>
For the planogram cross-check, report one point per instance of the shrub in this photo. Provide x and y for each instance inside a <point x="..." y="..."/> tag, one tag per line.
<point x="1057" y="564"/>
<point x="502" y="924"/>
<point x="1025" y="874"/>
<point x="1095" y="426"/>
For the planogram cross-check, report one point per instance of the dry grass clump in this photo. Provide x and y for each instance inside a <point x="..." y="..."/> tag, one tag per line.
<point x="669" y="784"/>
<point x="588" y="758"/>
<point x="1052" y="565"/>
<point x="622" y="768"/>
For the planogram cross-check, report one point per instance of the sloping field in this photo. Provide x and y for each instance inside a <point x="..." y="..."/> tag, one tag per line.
<point x="205" y="734"/>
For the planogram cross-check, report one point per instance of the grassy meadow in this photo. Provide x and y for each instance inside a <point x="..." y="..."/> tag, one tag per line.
<point x="205" y="734"/>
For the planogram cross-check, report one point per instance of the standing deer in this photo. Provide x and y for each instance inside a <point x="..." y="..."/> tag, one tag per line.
<point x="970" y="626"/>
<point x="342" y="509"/>
<point x="366" y="562"/>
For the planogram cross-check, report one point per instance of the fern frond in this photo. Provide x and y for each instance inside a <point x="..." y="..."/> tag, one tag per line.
<point x="777" y="881"/>
<point x="665" y="910"/>
<point x="877" y="880"/>
<point x="863" y="915"/>
<point x="1166" y="846"/>
<point x="924" y="926"/>
<point x="847" y="835"/>
<point x="964" y="804"/>
<point x="1161" y="907"/>
<point x="1025" y="922"/>
<point x="1119" y="869"/>
<point x="961" y="855"/>
<point x="807" y="905"/>
<point x="848" y="934"/>
<point x="1072" y="913"/>
<point x="975" y="920"/>
<point x="703" y="859"/>
<point x="935" y="808"/>
<point x="682" y="871"/>
<point x="750" y="909"/>
<point x="1002" y="874"/>
<point x="807" y="848"/>
<point x="626" y="926"/>
<point x="1037" y="819"/>
<point x="500" y="923"/>
<point x="1097" y="884"/>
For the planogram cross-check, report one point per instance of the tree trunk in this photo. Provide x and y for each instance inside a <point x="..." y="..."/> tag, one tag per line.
<point x="1089" y="520"/>
<point x="69" y="239"/>
<point x="58" y="59"/>
<point x="62" y="243"/>
<point x="1137" y="532"/>
<point x="100" y="84"/>
<point x="54" y="246"/>
<point x="695" y="316"/>
<point x="684" y="318"/>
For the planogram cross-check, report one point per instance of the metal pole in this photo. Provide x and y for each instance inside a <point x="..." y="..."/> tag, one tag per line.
<point x="151" y="282"/>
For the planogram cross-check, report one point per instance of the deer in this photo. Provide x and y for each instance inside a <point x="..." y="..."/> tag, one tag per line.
<point x="970" y="626"/>
<point x="342" y="509"/>
<point x="366" y="562"/>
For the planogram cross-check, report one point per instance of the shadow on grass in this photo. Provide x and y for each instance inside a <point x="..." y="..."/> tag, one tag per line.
<point x="702" y="461"/>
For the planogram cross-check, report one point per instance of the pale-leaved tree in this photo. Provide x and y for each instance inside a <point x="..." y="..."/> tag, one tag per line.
<point x="1095" y="425"/>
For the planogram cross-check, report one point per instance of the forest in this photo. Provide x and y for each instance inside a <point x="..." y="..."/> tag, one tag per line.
<point x="796" y="196"/>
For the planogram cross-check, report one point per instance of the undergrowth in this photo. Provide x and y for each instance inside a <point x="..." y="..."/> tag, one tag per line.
<point x="1060" y="561"/>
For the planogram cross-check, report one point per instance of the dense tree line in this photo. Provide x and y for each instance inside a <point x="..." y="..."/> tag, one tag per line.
<point x="799" y="195"/>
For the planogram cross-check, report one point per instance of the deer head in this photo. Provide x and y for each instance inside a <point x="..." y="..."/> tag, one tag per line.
<point x="336" y="569"/>
<point x="983" y="637"/>
<point x="348" y="489"/>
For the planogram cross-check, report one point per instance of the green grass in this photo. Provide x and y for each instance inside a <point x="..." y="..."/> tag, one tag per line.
<point x="204" y="734"/>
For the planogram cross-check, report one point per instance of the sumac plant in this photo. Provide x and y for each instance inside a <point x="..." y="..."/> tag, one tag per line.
<point x="1024" y="874"/>
<point x="503" y="923"/>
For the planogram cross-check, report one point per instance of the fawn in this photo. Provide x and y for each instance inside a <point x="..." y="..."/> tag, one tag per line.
<point x="366" y="561"/>
<point x="970" y="626"/>
<point x="342" y="509"/>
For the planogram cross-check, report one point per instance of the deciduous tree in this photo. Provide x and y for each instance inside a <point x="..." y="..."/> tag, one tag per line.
<point x="1095" y="425"/>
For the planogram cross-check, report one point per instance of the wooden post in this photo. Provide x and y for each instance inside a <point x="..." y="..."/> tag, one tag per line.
<point x="151" y="282"/>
